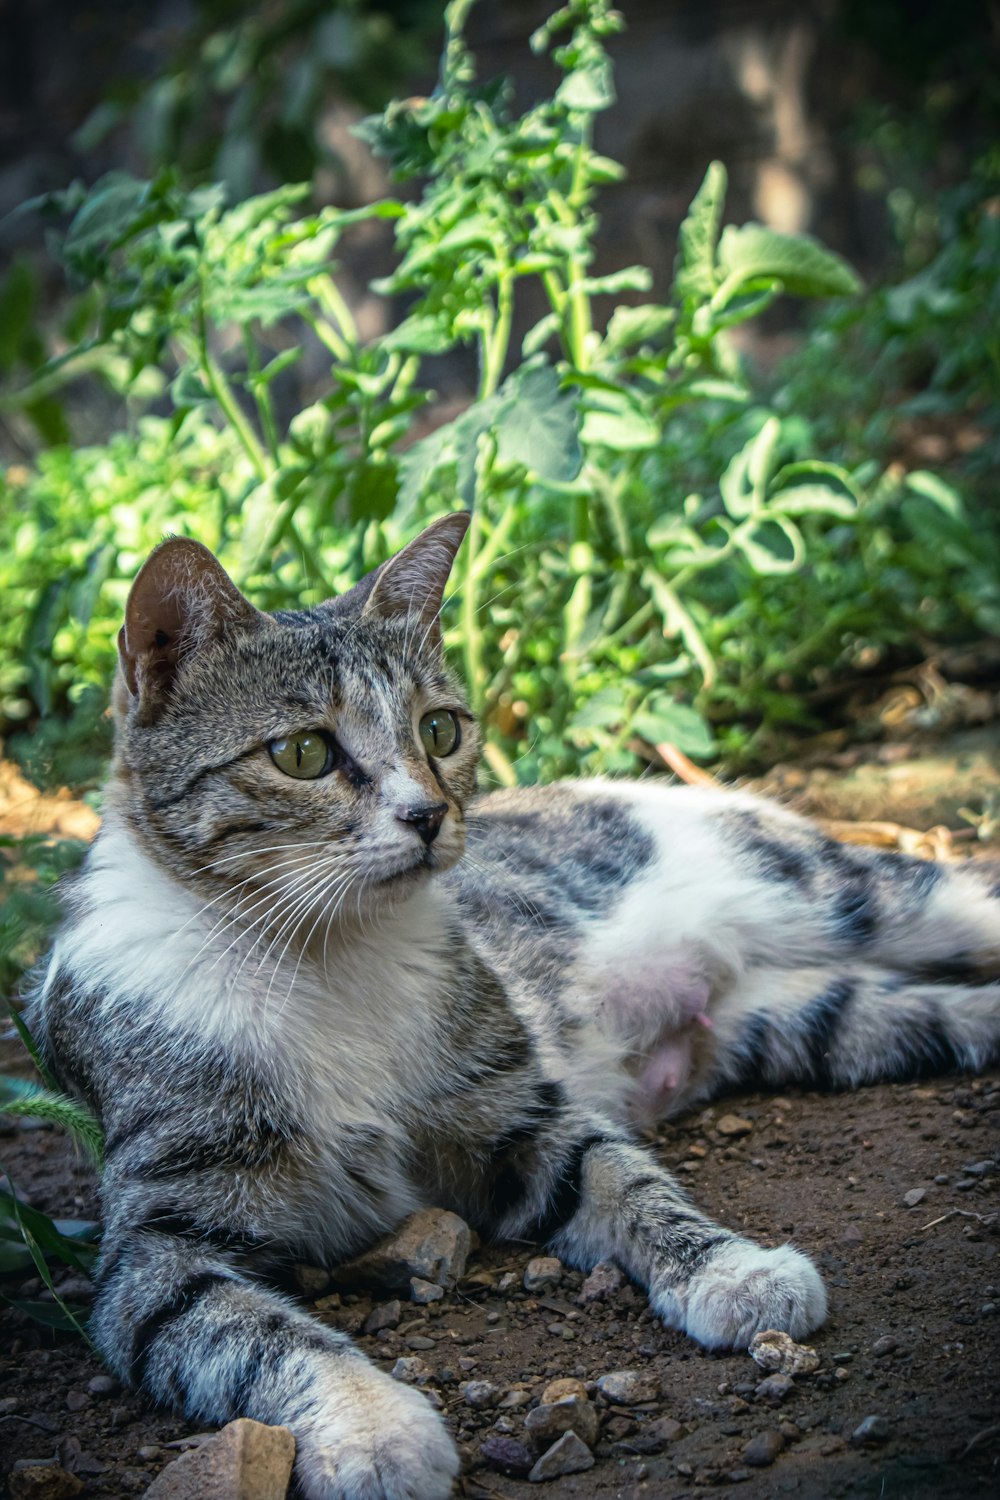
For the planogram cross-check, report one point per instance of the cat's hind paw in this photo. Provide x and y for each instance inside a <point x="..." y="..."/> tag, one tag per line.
<point x="384" y="1442"/>
<point x="742" y="1289"/>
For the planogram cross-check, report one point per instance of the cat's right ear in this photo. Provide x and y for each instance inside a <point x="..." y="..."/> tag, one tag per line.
<point x="180" y="600"/>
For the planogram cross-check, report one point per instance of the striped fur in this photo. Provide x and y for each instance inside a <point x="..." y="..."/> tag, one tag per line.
<point x="300" y="1017"/>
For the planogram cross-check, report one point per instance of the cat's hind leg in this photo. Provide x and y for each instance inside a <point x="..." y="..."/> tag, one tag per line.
<point x="839" y="1027"/>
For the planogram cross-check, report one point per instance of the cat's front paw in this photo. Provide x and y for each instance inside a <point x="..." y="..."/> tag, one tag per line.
<point x="374" y="1439"/>
<point x="743" y="1288"/>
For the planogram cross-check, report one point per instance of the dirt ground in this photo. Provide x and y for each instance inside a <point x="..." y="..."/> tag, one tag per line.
<point x="912" y="1335"/>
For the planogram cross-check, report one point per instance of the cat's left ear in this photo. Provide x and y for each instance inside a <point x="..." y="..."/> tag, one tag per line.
<point x="413" y="582"/>
<point x="181" y="599"/>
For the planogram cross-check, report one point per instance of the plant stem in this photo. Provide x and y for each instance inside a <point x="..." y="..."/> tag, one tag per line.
<point x="222" y="391"/>
<point x="472" y="645"/>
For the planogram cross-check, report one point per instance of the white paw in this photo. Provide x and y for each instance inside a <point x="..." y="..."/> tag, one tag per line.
<point x="374" y="1439"/>
<point x="742" y="1289"/>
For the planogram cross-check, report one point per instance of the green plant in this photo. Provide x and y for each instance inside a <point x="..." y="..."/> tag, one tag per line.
<point x="29" y="1238"/>
<point x="644" y="529"/>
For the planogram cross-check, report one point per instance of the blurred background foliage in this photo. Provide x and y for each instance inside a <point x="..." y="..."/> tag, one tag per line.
<point x="698" y="510"/>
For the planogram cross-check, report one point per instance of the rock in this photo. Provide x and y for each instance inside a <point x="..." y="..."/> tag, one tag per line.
<point x="542" y="1274"/>
<point x="432" y="1245"/>
<point x="385" y="1315"/>
<point x="980" y="1168"/>
<point x="763" y="1449"/>
<point x="422" y="1292"/>
<point x="851" y="1235"/>
<point x="103" y="1385"/>
<point x="914" y="1196"/>
<point x="558" y="1390"/>
<point x="775" y="1351"/>
<point x="871" y="1430"/>
<point x="654" y="1436"/>
<point x="571" y="1414"/>
<point x="514" y="1400"/>
<point x="774" y="1389"/>
<point x="628" y="1387"/>
<point x="41" y="1481"/>
<point x="603" y="1282"/>
<point x="480" y="1394"/>
<point x="884" y="1346"/>
<point x="245" y="1461"/>
<point x="568" y="1456"/>
<point x="312" y="1281"/>
<point x="734" y="1125"/>
<point x="507" y="1456"/>
<point x="412" y="1369"/>
<point x="77" y="1400"/>
<point x="420" y="1342"/>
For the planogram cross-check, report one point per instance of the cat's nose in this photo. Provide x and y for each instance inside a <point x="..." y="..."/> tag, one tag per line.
<point x="426" y="820"/>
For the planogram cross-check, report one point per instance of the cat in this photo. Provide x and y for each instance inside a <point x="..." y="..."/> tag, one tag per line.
<point x="311" y="982"/>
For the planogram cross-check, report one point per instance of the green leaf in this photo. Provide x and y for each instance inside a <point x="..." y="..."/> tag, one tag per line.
<point x="807" y="499"/>
<point x="629" y="326"/>
<point x="538" y="425"/>
<point x="538" y="336"/>
<point x="752" y="252"/>
<point x="662" y="719"/>
<point x="424" y="334"/>
<point x="106" y="214"/>
<point x="932" y="487"/>
<point x="372" y="492"/>
<point x="677" y="620"/>
<point x="758" y="544"/>
<point x="629" y="279"/>
<point x="419" y="463"/>
<point x="589" y="88"/>
<point x="614" y="419"/>
<point x="604" y="710"/>
<point x="695" y="275"/>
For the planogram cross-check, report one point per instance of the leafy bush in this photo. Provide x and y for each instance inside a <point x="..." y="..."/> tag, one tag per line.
<point x="655" y="551"/>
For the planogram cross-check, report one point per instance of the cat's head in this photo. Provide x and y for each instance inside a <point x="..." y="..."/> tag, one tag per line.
<point x="304" y="762"/>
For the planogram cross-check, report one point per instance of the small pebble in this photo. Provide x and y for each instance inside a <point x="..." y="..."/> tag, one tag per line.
<point x="775" y="1351"/>
<point x="507" y="1456"/>
<point x="547" y="1423"/>
<point x="419" y="1342"/>
<point x="422" y="1292"/>
<point x="386" y="1315"/>
<point x="480" y="1394"/>
<point x="871" y="1430"/>
<point x="604" y="1281"/>
<point x="914" y="1196"/>
<point x="733" y="1126"/>
<point x="629" y="1387"/>
<point x="558" y="1390"/>
<point x="884" y="1346"/>
<point x="542" y="1274"/>
<point x="103" y="1385"/>
<point x="77" y="1400"/>
<point x="411" y="1369"/>
<point x="774" y="1389"/>
<point x="763" y="1449"/>
<point x="568" y="1456"/>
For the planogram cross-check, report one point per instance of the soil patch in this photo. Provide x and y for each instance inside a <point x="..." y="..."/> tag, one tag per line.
<point x="912" y="1335"/>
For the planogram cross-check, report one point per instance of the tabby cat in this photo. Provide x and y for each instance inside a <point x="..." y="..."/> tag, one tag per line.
<point x="310" y="982"/>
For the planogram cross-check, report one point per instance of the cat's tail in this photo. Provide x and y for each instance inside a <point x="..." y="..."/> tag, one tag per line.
<point x="840" y="1027"/>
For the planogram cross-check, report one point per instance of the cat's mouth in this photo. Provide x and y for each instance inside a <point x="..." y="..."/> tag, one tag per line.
<point x="412" y="870"/>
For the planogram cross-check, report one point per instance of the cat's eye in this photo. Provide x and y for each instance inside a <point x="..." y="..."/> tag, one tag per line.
<point x="439" y="732"/>
<point x="305" y="756"/>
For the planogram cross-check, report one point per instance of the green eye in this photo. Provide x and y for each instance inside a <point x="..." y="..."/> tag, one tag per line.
<point x="439" y="733"/>
<point x="304" y="756"/>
